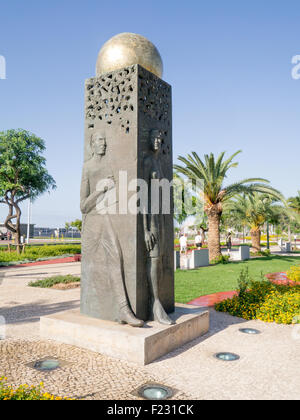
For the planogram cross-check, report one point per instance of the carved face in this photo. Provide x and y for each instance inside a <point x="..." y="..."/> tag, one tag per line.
<point x="155" y="140"/>
<point x="98" y="144"/>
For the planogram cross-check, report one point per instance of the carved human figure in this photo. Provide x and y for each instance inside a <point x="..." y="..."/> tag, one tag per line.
<point x="154" y="228"/>
<point x="101" y="247"/>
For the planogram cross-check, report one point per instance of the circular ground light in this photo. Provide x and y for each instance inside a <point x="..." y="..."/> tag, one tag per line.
<point x="47" y="365"/>
<point x="155" y="392"/>
<point x="249" y="331"/>
<point x="227" y="357"/>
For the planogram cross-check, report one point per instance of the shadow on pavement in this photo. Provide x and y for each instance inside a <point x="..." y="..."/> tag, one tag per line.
<point x="27" y="313"/>
<point x="219" y="321"/>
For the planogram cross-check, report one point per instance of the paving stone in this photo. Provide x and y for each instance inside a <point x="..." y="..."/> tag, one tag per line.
<point x="268" y="367"/>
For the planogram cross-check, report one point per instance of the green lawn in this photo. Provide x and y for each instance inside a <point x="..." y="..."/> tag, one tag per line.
<point x="223" y="277"/>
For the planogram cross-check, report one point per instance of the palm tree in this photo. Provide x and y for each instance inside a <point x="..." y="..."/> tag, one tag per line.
<point x="215" y="195"/>
<point x="254" y="210"/>
<point x="294" y="203"/>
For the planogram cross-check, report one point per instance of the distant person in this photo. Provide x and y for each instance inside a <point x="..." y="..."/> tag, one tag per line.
<point x="228" y="242"/>
<point x="199" y="240"/>
<point x="183" y="243"/>
<point x="203" y="236"/>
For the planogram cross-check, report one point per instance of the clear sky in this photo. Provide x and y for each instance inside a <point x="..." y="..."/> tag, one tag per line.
<point x="229" y="63"/>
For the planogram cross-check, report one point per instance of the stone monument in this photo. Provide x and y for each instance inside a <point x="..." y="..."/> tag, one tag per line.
<point x="127" y="206"/>
<point x="128" y="108"/>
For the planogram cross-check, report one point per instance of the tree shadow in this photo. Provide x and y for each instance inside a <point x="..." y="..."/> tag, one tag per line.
<point x="32" y="312"/>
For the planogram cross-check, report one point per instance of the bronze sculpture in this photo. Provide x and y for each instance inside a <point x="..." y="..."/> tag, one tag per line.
<point x="154" y="227"/>
<point x="100" y="245"/>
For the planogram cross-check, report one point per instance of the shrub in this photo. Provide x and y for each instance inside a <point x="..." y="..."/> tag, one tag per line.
<point x="223" y="259"/>
<point x="24" y="392"/>
<point x="294" y="273"/>
<point x="280" y="307"/>
<point x="263" y="300"/>
<point x="265" y="253"/>
<point x="243" y="282"/>
<point x="33" y="253"/>
<point x="51" y="281"/>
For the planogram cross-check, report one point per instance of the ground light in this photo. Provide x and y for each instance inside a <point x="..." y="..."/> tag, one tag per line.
<point x="47" y="364"/>
<point x="227" y="357"/>
<point x="155" y="392"/>
<point x="249" y="331"/>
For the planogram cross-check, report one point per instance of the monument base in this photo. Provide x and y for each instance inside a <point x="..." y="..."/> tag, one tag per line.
<point x="138" y="345"/>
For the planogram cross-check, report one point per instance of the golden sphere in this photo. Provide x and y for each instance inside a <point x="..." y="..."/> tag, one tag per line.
<point x="126" y="49"/>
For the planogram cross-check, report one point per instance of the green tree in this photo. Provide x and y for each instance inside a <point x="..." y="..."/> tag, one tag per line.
<point x="254" y="210"/>
<point x="215" y="195"/>
<point x="23" y="174"/>
<point x="77" y="224"/>
<point x="294" y="203"/>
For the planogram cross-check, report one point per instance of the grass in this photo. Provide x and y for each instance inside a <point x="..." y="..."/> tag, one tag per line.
<point x="221" y="278"/>
<point x="51" y="281"/>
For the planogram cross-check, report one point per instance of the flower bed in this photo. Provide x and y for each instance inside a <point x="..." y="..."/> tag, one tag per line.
<point x="49" y="282"/>
<point x="264" y="300"/>
<point x="283" y="278"/>
<point x="294" y="273"/>
<point x="25" y="392"/>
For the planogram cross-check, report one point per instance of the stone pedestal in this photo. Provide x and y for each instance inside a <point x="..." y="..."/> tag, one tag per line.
<point x="199" y="258"/>
<point x="138" y="345"/>
<point x="287" y="247"/>
<point x="244" y="253"/>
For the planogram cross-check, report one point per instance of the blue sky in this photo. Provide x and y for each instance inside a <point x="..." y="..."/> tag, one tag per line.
<point x="229" y="63"/>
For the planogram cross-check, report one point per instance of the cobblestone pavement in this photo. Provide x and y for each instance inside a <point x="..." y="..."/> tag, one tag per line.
<point x="269" y="367"/>
<point x="84" y="374"/>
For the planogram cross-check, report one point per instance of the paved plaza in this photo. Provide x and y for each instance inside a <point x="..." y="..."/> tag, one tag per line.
<point x="268" y="367"/>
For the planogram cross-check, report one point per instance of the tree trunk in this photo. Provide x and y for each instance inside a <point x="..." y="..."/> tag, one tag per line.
<point x="18" y="228"/>
<point x="255" y="238"/>
<point x="18" y="235"/>
<point x="14" y="212"/>
<point x="214" y="248"/>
